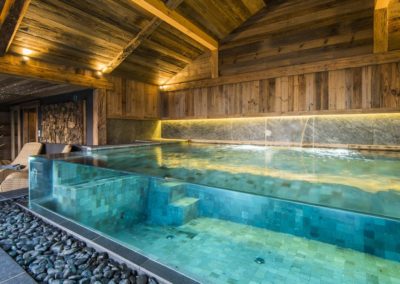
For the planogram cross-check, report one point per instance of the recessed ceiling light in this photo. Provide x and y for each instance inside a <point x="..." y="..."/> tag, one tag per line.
<point x="26" y="51"/>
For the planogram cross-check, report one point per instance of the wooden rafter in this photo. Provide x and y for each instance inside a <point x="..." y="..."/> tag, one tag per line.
<point x="176" y="20"/>
<point x="15" y="65"/>
<point x="381" y="29"/>
<point x="11" y="16"/>
<point x="142" y="35"/>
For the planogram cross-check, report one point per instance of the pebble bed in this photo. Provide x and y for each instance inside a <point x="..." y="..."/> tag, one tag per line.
<point x="50" y="255"/>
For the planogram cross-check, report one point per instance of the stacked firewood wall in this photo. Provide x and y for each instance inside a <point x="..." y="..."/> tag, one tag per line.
<point x="63" y="123"/>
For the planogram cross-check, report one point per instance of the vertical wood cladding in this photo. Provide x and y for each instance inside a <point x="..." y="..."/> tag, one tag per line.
<point x="5" y="135"/>
<point x="133" y="100"/>
<point x="292" y="32"/>
<point x="362" y="88"/>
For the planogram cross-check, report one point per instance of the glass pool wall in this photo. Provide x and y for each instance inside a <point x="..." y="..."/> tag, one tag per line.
<point x="145" y="213"/>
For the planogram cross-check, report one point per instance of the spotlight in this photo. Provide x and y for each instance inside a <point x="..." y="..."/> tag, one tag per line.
<point x="26" y="51"/>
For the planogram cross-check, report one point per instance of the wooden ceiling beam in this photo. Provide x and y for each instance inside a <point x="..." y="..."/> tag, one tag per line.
<point x="141" y="36"/>
<point x="11" y="16"/>
<point x="320" y="66"/>
<point x="31" y="68"/>
<point x="176" y="20"/>
<point x="381" y="26"/>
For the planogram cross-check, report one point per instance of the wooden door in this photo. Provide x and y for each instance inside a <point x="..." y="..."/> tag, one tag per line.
<point x="30" y="125"/>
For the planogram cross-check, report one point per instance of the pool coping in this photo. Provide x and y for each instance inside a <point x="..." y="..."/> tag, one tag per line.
<point x="119" y="252"/>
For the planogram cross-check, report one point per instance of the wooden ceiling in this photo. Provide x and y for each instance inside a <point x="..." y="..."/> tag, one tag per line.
<point x="85" y="35"/>
<point x="14" y="89"/>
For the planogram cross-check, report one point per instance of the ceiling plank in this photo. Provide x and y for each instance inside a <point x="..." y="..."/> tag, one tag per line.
<point x="176" y="20"/>
<point x="15" y="65"/>
<point x="381" y="26"/>
<point x="10" y="18"/>
<point x="141" y="36"/>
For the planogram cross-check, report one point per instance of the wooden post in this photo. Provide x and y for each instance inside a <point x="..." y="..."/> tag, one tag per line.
<point x="12" y="135"/>
<point x="381" y="30"/>
<point x="214" y="64"/>
<point x="99" y="117"/>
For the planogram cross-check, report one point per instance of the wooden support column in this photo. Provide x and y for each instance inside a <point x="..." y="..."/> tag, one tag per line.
<point x="12" y="135"/>
<point x="381" y="30"/>
<point x="214" y="63"/>
<point x="99" y="117"/>
<point x="11" y="16"/>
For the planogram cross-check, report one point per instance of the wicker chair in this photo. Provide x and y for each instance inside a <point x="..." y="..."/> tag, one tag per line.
<point x="32" y="148"/>
<point x="15" y="180"/>
<point x="20" y="179"/>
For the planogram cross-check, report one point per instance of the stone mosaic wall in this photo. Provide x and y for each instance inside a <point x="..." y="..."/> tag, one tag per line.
<point x="63" y="123"/>
<point x="365" y="233"/>
<point x="97" y="197"/>
<point x="104" y="204"/>
<point x="330" y="130"/>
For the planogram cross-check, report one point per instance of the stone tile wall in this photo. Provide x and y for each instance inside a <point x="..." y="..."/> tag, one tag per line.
<point x="331" y="130"/>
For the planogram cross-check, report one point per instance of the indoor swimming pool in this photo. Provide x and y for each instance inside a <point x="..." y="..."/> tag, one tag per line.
<point x="236" y="214"/>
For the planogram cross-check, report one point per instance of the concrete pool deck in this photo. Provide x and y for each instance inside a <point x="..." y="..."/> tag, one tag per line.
<point x="11" y="272"/>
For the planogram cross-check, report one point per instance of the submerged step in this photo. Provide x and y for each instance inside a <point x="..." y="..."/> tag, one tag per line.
<point x="184" y="210"/>
<point x="166" y="192"/>
<point x="185" y="202"/>
<point x="168" y="204"/>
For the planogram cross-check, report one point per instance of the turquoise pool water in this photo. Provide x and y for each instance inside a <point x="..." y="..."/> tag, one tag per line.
<point x="361" y="181"/>
<point x="237" y="214"/>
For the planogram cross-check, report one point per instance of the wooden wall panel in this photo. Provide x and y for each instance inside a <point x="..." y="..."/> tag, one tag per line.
<point x="133" y="100"/>
<point x="5" y="135"/>
<point x="369" y="88"/>
<point x="99" y="117"/>
<point x="291" y="32"/>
